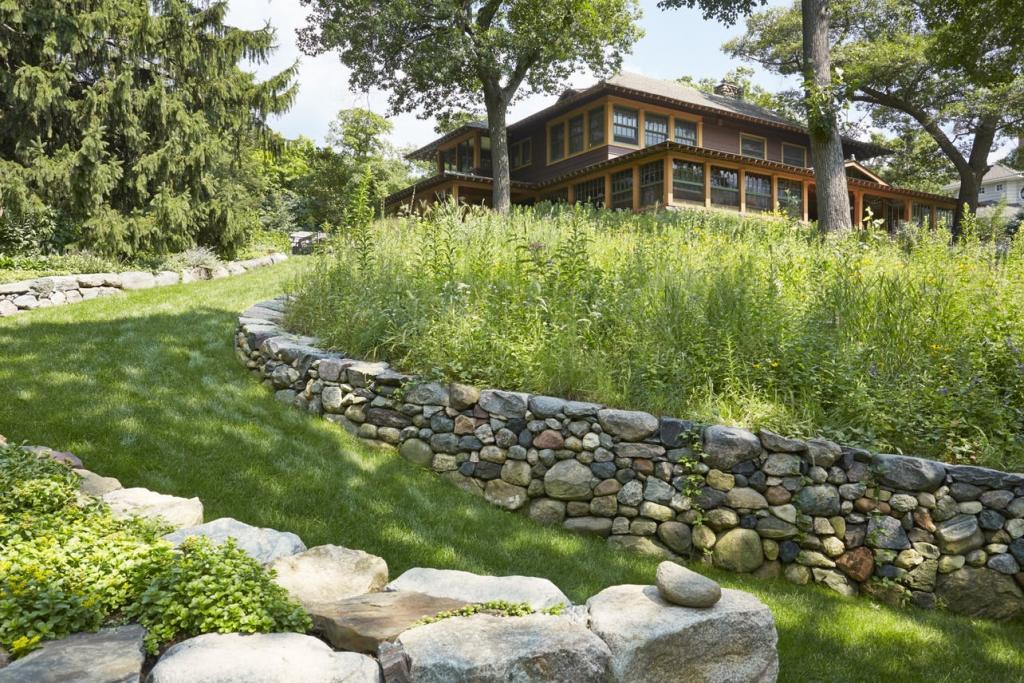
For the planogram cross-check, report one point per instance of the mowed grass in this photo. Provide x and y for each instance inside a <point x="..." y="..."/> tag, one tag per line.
<point x="145" y="387"/>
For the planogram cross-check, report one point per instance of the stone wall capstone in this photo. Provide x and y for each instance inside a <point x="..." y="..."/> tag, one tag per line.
<point x="899" y="528"/>
<point x="59" y="290"/>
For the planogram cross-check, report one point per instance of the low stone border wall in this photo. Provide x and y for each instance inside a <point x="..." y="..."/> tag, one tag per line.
<point x="900" y="528"/>
<point x="375" y="631"/>
<point x="58" y="290"/>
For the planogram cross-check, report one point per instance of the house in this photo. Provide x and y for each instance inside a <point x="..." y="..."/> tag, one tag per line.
<point x="633" y="142"/>
<point x="1000" y="184"/>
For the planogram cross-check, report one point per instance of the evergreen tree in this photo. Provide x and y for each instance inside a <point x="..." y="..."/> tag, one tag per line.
<point x="128" y="119"/>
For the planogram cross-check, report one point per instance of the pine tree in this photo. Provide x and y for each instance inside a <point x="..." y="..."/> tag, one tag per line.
<point x="126" y="120"/>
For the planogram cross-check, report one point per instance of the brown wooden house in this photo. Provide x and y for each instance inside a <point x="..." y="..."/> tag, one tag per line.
<point x="633" y="142"/>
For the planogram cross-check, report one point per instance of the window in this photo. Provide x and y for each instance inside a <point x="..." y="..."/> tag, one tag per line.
<point x="982" y="190"/>
<point x="448" y="159"/>
<point x="652" y="183"/>
<point x="520" y="154"/>
<point x="922" y="214"/>
<point x="595" y="124"/>
<point x="465" y="156"/>
<point x="999" y="187"/>
<point x="687" y="181"/>
<point x="686" y="132"/>
<point x="655" y="129"/>
<point x="556" y="142"/>
<point x="794" y="155"/>
<point x="622" y="189"/>
<point x="791" y="197"/>
<point x="576" y="134"/>
<point x="557" y="197"/>
<point x="485" y="155"/>
<point x="944" y="217"/>
<point x="758" y="192"/>
<point x="725" y="187"/>
<point x="625" y="126"/>
<point x="752" y="146"/>
<point x="591" y="192"/>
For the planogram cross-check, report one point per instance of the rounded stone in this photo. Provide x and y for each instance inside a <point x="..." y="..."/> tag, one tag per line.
<point x="568" y="480"/>
<point x="684" y="587"/>
<point x="739" y="550"/>
<point x="676" y="536"/>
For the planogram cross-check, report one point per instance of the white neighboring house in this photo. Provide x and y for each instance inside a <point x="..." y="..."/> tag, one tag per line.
<point x="1001" y="183"/>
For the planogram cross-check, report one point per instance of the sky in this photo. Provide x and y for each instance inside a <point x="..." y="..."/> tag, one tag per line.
<point x="677" y="43"/>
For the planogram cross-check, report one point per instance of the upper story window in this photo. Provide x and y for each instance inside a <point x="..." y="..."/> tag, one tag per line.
<point x="626" y="126"/>
<point x="999" y="187"/>
<point x="576" y="134"/>
<point x="655" y="129"/>
<point x="557" y="142"/>
<point x="686" y="132"/>
<point x="595" y="122"/>
<point x="794" y="155"/>
<point x="465" y="154"/>
<point x="520" y="154"/>
<point x="753" y="146"/>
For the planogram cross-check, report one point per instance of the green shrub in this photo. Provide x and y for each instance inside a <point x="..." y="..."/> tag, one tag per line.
<point x="67" y="567"/>
<point x="196" y="257"/>
<point x="263" y="242"/>
<point x="895" y="343"/>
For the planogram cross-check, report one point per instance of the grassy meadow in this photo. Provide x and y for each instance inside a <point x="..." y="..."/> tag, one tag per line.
<point x="900" y="345"/>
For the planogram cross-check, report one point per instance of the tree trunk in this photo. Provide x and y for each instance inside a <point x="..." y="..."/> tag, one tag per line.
<point x="501" y="196"/>
<point x="967" y="197"/>
<point x="972" y="175"/>
<point x="826" y="143"/>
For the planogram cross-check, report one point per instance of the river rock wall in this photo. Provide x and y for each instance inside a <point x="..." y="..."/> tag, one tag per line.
<point x="900" y="528"/>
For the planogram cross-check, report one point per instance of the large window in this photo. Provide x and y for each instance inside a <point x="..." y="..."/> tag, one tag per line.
<point x="625" y="126"/>
<point x="652" y="183"/>
<point x="591" y="192"/>
<point x="751" y="146"/>
<point x="595" y="126"/>
<point x="725" y="187"/>
<point x="449" y="160"/>
<point x="758" y="192"/>
<point x="655" y="129"/>
<point x="688" y="181"/>
<point x="794" y="155"/>
<point x="686" y="132"/>
<point x="576" y="134"/>
<point x="485" y="155"/>
<point x="557" y="197"/>
<point x="520" y="154"/>
<point x="922" y="214"/>
<point x="622" y="189"/>
<point x="556" y="142"/>
<point x="944" y="217"/>
<point x="464" y="151"/>
<point x="790" y="197"/>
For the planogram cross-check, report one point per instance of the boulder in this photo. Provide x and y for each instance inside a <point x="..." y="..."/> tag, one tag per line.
<point x="416" y="451"/>
<point x="261" y="658"/>
<point x="820" y="501"/>
<point x="983" y="476"/>
<point x="111" y="655"/>
<point x="92" y="484"/>
<point x="887" y="533"/>
<point x="462" y="396"/>
<point x="140" y="502"/>
<point x="505" y="495"/>
<point x="960" y="535"/>
<point x="677" y="536"/>
<point x="361" y="623"/>
<point x="600" y="526"/>
<point x="782" y="465"/>
<point x="641" y="545"/>
<point x="263" y="545"/>
<point x="653" y="641"/>
<point x="503" y="649"/>
<point x="568" y="480"/>
<point x="908" y="473"/>
<point x="726" y="447"/>
<point x="507" y="404"/>
<point x="628" y="425"/>
<point x="427" y="393"/>
<point x="466" y="587"/>
<point x="775" y="528"/>
<point x="780" y="444"/>
<point x="547" y="511"/>
<point x="858" y="564"/>
<point x="330" y="572"/>
<point x="684" y="587"/>
<point x="980" y="592"/>
<point x="745" y="499"/>
<point x="739" y="550"/>
<point x="546" y="406"/>
<point x="137" y="280"/>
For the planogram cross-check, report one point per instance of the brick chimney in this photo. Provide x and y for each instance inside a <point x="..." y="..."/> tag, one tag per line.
<point x="729" y="89"/>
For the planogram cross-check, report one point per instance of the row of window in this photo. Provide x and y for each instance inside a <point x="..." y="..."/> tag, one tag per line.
<point x="688" y="186"/>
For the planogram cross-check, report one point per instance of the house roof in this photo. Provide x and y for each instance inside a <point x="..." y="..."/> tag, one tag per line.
<point x="427" y="151"/>
<point x="997" y="172"/>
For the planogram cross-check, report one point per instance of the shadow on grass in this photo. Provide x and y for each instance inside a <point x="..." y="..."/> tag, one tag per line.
<point x="157" y="399"/>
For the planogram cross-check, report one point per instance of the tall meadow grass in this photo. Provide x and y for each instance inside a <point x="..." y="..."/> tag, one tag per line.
<point x="899" y="344"/>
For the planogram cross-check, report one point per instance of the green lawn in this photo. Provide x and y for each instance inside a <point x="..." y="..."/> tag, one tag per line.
<point x="146" y="388"/>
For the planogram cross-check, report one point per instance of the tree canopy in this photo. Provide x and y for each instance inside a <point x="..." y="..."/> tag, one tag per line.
<point x="121" y="121"/>
<point x="435" y="56"/>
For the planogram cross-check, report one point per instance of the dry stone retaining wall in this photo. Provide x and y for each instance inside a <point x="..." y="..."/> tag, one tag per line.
<point x="901" y="528"/>
<point x="58" y="290"/>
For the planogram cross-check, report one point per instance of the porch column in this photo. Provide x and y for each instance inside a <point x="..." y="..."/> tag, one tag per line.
<point x="455" y="192"/>
<point x="743" y="191"/>
<point x="858" y="208"/>
<point x="476" y="152"/>
<point x="707" y="185"/>
<point x="570" y="194"/>
<point x="908" y="210"/>
<point x="636" y="188"/>
<point x="934" y="217"/>
<point x="804" y="193"/>
<point x="668" y="180"/>
<point x="775" y="193"/>
<point x="608" y="191"/>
